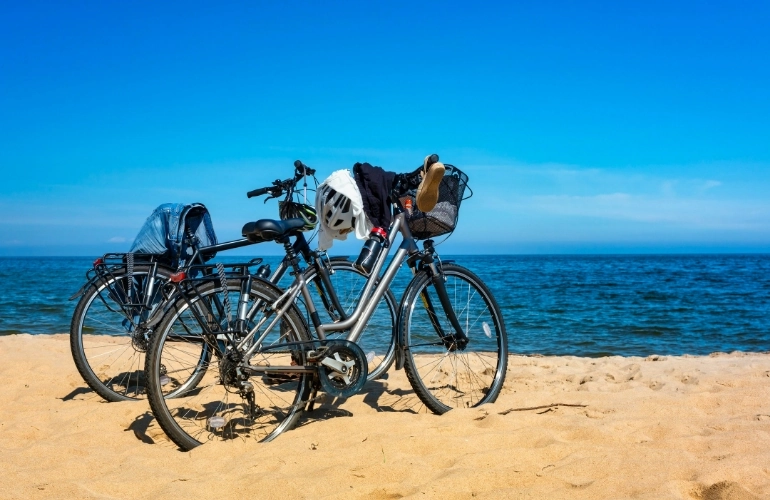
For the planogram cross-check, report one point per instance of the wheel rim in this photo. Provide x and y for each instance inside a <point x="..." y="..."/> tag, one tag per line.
<point x="459" y="378"/>
<point x="213" y="410"/>
<point x="109" y="342"/>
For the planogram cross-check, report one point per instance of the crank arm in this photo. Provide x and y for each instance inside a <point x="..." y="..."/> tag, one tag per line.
<point x="337" y="366"/>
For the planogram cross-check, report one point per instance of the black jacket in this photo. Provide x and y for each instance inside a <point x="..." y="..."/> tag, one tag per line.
<point x="375" y="185"/>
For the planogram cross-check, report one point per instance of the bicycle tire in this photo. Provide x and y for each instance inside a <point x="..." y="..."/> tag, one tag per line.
<point x="106" y="355"/>
<point x="378" y="338"/>
<point x="443" y="378"/>
<point x="188" y="414"/>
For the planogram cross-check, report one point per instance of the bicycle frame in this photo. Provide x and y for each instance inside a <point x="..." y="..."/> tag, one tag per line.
<point x="370" y="296"/>
<point x="239" y="270"/>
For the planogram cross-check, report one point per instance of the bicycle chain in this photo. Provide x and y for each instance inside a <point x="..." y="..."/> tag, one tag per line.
<point x="306" y="403"/>
<point x="320" y="395"/>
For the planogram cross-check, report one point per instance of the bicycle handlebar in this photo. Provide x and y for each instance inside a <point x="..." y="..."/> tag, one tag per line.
<point x="279" y="186"/>
<point x="303" y="169"/>
<point x="257" y="192"/>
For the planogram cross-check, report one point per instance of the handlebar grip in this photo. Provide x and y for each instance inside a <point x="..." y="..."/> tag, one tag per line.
<point x="302" y="168"/>
<point x="432" y="159"/>
<point x="257" y="192"/>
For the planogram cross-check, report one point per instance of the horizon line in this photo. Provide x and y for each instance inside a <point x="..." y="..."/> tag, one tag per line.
<point x="564" y="254"/>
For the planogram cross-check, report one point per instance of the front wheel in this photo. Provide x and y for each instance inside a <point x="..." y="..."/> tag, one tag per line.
<point x="442" y="375"/>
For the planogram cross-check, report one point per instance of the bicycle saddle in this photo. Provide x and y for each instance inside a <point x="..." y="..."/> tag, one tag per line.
<point x="270" y="230"/>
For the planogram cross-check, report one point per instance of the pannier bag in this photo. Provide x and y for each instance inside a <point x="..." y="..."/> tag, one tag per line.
<point x="163" y="233"/>
<point x="443" y="218"/>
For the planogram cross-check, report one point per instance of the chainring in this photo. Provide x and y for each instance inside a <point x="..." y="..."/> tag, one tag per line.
<point x="343" y="369"/>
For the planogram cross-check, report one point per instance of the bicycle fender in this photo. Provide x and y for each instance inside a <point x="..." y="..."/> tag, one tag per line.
<point x="400" y="357"/>
<point x="90" y="281"/>
<point x="400" y="354"/>
<point x="83" y="289"/>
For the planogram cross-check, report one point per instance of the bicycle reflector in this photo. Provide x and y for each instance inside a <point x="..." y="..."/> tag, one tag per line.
<point x="98" y="262"/>
<point x="177" y="277"/>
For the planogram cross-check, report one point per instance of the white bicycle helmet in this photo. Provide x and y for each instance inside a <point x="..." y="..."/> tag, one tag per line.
<point x="340" y="209"/>
<point x="337" y="210"/>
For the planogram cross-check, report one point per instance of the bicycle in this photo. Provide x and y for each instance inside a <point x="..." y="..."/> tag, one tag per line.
<point x="125" y="294"/>
<point x="269" y="368"/>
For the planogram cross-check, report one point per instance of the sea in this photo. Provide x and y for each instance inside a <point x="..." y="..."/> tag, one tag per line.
<point x="581" y="305"/>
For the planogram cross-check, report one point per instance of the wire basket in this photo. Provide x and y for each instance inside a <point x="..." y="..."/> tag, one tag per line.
<point x="443" y="218"/>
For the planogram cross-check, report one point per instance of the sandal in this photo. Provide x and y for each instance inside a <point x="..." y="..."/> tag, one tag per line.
<point x="427" y="191"/>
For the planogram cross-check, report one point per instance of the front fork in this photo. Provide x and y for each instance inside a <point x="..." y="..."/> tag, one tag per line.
<point x="452" y="341"/>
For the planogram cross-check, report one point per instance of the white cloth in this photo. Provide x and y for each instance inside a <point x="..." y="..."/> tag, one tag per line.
<point x="342" y="182"/>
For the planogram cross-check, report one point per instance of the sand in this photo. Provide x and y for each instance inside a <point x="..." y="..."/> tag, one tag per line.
<point x="564" y="427"/>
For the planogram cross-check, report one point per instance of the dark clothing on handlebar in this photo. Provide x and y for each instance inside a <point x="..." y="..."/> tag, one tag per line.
<point x="375" y="185"/>
<point x="379" y="188"/>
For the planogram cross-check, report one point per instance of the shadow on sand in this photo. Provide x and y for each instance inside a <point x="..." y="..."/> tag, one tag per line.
<point x="140" y="425"/>
<point x="78" y="392"/>
<point x="376" y="395"/>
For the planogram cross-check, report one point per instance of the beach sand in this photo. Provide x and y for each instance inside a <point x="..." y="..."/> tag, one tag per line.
<point x="563" y="427"/>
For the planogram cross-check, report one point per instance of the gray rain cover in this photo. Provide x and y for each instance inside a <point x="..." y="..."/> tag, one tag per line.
<point x="163" y="232"/>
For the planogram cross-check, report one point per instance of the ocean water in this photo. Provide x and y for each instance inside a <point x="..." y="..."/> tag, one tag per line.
<point x="564" y="305"/>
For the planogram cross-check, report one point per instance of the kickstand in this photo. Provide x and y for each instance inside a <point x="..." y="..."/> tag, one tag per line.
<point x="311" y="404"/>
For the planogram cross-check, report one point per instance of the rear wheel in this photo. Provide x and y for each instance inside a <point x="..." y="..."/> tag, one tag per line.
<point x="227" y="403"/>
<point x="107" y="339"/>
<point x="443" y="375"/>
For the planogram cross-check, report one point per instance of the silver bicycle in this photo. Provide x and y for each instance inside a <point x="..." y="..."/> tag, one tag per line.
<point x="267" y="368"/>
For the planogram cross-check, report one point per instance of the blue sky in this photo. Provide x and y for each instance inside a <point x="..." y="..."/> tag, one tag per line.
<point x="585" y="127"/>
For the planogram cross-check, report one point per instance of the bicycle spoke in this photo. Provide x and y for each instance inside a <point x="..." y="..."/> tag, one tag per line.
<point x="451" y="376"/>
<point x="223" y="404"/>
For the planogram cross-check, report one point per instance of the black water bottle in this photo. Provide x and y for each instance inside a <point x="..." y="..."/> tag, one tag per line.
<point x="371" y="250"/>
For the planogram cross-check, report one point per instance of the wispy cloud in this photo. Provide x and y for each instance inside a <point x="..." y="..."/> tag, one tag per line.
<point x="668" y="188"/>
<point x="689" y="212"/>
<point x="675" y="204"/>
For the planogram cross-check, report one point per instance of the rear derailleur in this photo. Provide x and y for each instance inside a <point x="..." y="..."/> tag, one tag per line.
<point x="235" y="380"/>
